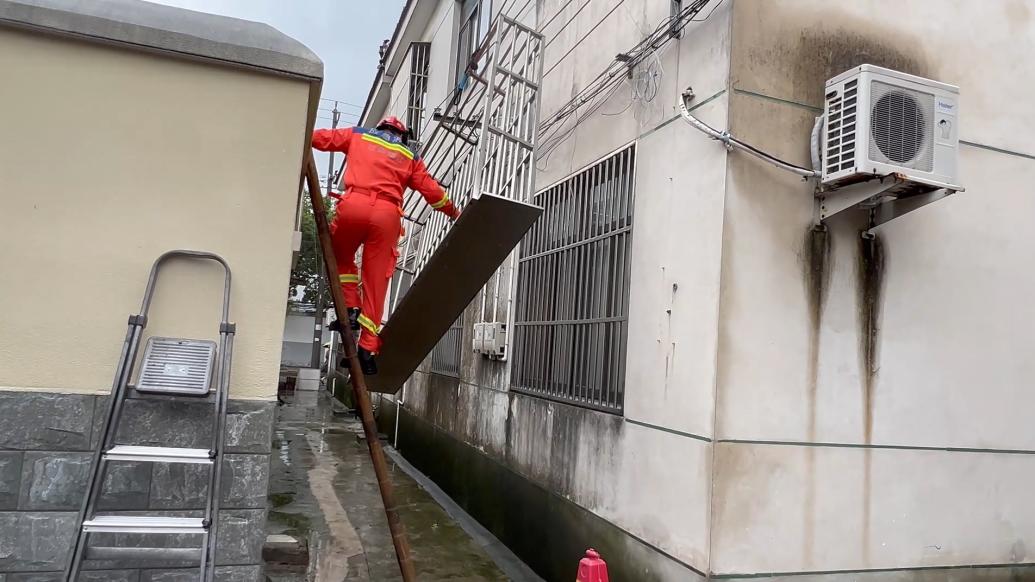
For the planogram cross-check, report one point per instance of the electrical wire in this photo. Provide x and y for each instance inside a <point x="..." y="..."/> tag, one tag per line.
<point x="710" y="12"/>
<point x="554" y="130"/>
<point x="521" y="13"/>
<point x="623" y="110"/>
<point x="570" y="20"/>
<point x="734" y="143"/>
<point x="555" y="15"/>
<point x="505" y="6"/>
<point x="340" y="102"/>
<point x="584" y="37"/>
<point x="663" y="33"/>
<point x="340" y="112"/>
<point x="550" y="140"/>
<point x="548" y="148"/>
<point x="613" y="74"/>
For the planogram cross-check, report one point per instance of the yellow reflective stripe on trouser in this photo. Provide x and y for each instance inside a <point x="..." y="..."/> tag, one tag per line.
<point x="348" y="278"/>
<point x="369" y="325"/>
<point x="395" y="147"/>
<point x="441" y="203"/>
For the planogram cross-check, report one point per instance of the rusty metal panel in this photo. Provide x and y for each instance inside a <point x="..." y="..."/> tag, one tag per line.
<point x="487" y="231"/>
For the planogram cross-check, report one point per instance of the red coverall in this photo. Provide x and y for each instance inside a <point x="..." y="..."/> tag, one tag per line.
<point x="379" y="170"/>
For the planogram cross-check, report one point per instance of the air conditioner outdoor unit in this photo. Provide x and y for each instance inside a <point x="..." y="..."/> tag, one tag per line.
<point x="880" y="122"/>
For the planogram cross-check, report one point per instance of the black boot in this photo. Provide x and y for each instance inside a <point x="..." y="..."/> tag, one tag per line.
<point x="353" y="321"/>
<point x="367" y="363"/>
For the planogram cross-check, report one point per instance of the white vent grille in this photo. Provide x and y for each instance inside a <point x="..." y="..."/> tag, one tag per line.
<point x="842" y="113"/>
<point x="901" y="126"/>
<point x="179" y="366"/>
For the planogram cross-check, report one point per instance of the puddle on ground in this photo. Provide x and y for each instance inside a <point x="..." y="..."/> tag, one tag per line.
<point x="310" y="440"/>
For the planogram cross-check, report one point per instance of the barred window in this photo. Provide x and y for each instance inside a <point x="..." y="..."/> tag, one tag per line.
<point x="445" y="358"/>
<point x="475" y="16"/>
<point x="571" y="323"/>
<point x="418" y="90"/>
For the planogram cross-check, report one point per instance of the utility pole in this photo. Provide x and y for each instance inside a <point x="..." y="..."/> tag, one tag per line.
<point x="321" y="280"/>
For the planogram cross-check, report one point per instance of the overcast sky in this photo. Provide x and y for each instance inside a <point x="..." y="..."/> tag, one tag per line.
<point x="346" y="34"/>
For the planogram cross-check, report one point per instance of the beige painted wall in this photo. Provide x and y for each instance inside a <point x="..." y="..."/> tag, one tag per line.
<point x="107" y="159"/>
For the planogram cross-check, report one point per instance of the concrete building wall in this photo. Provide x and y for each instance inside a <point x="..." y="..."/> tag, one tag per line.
<point x="871" y="394"/>
<point x="441" y="33"/>
<point x="646" y="476"/>
<point x="797" y="401"/>
<point x="118" y="157"/>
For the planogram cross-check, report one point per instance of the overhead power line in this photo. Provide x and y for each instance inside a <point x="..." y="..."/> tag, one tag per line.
<point x="341" y="102"/>
<point x="552" y="128"/>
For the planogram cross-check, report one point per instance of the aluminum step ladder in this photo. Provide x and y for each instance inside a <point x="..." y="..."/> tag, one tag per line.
<point x="171" y="369"/>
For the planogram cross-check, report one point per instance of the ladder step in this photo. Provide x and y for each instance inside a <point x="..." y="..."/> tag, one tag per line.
<point x="144" y="524"/>
<point x="158" y="454"/>
<point x="143" y="554"/>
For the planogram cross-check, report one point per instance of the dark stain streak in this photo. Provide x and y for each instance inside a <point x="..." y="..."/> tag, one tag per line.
<point x="870" y="288"/>
<point x="834" y="52"/>
<point x="807" y="59"/>
<point x="815" y="55"/>
<point x="815" y="255"/>
<point x="508" y="443"/>
<point x="815" y="259"/>
<point x="871" y="271"/>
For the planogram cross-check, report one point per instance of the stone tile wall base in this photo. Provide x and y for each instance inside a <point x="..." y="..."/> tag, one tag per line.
<point x="223" y="574"/>
<point x="46" y="442"/>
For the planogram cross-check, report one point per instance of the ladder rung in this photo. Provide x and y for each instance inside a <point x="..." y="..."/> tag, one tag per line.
<point x="144" y="524"/>
<point x="158" y="454"/>
<point x="143" y="554"/>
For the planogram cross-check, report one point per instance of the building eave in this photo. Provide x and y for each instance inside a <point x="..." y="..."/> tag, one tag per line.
<point x="414" y="19"/>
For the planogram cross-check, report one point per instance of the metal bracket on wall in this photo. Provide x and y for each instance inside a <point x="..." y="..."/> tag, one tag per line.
<point x="886" y="197"/>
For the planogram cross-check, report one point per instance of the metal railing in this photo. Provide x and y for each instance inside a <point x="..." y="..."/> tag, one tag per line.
<point x="481" y="143"/>
<point x="445" y="358"/>
<point x="571" y="321"/>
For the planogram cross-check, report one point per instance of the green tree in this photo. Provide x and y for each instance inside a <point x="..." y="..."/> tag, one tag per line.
<point x="310" y="264"/>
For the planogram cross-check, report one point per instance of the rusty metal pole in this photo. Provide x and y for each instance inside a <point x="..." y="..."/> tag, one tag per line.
<point x="359" y="384"/>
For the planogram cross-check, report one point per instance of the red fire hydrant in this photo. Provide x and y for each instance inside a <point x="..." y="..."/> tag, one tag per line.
<point x="592" y="568"/>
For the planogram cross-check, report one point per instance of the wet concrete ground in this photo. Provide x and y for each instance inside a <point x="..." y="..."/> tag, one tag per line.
<point x="323" y="490"/>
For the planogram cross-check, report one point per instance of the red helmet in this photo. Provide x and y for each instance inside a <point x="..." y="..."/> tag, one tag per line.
<point x="395" y="123"/>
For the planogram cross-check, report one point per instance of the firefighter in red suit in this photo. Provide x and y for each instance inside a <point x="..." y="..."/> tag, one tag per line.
<point x="379" y="170"/>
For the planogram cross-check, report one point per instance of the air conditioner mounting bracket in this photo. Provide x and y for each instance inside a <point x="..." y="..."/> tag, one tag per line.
<point x="886" y="197"/>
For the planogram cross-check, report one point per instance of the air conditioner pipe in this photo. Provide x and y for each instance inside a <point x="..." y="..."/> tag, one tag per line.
<point x="817" y="142"/>
<point x="733" y="143"/>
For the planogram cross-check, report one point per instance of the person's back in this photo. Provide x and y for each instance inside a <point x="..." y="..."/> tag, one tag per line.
<point x="379" y="170"/>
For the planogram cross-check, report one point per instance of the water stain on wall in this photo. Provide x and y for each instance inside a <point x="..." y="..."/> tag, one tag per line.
<point x="870" y="285"/>
<point x="807" y="54"/>
<point x="815" y="259"/>
<point x="820" y="54"/>
<point x="870" y="273"/>
<point x="1020" y="16"/>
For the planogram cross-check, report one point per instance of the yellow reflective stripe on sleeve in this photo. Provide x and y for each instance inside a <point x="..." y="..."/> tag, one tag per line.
<point x="348" y="278"/>
<point x="395" y="147"/>
<point x="441" y="203"/>
<point x="369" y="325"/>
